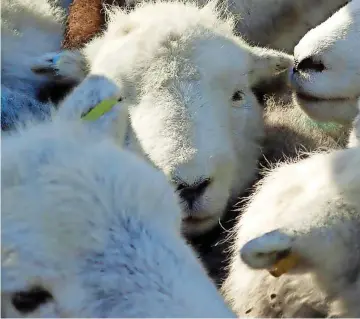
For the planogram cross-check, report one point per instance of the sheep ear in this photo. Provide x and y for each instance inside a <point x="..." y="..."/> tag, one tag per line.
<point x="272" y="251"/>
<point x="97" y="102"/>
<point x="70" y="66"/>
<point x="268" y="62"/>
<point x="114" y="122"/>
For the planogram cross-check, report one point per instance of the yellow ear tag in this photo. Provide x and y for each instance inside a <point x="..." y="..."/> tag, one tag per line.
<point x="284" y="265"/>
<point x="99" y="110"/>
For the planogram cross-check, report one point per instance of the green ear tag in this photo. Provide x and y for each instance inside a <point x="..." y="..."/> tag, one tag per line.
<point x="99" y="110"/>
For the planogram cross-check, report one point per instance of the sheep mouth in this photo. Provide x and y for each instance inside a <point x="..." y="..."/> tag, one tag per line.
<point x="311" y="98"/>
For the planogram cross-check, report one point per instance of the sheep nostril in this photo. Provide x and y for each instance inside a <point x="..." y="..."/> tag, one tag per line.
<point x="311" y="64"/>
<point x="181" y="186"/>
<point x="190" y="193"/>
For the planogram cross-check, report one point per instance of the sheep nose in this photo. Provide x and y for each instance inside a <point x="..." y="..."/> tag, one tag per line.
<point x="309" y="64"/>
<point x="190" y="193"/>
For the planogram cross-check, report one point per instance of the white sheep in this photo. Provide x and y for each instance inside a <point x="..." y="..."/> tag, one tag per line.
<point x="196" y="120"/>
<point x="326" y="76"/>
<point x="304" y="219"/>
<point x="90" y="230"/>
<point x="29" y="29"/>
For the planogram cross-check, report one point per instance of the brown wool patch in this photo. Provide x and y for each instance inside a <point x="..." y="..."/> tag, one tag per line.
<point x="86" y="19"/>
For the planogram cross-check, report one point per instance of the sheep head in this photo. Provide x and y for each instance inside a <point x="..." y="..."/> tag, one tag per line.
<point x="326" y="78"/>
<point x="196" y="120"/>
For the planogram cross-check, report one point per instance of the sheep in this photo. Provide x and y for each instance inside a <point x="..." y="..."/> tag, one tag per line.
<point x="303" y="219"/>
<point x="206" y="124"/>
<point x="325" y="77"/>
<point x="29" y="29"/>
<point x="92" y="230"/>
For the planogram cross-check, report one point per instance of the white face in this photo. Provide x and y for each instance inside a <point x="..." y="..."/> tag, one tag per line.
<point x="326" y="76"/>
<point x="192" y="111"/>
<point x="93" y="231"/>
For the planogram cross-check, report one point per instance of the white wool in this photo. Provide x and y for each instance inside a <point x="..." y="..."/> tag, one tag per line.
<point x="164" y="57"/>
<point x="312" y="208"/>
<point x="280" y="24"/>
<point x="330" y="93"/>
<point x="97" y="228"/>
<point x="29" y="29"/>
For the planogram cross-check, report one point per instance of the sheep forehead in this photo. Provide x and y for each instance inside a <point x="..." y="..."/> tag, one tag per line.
<point x="161" y="42"/>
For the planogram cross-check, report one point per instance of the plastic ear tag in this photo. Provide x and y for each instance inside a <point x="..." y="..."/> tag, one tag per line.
<point x="99" y="110"/>
<point x="57" y="59"/>
<point x="284" y="265"/>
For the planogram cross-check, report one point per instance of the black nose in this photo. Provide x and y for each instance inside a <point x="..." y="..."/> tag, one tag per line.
<point x="190" y="193"/>
<point x="309" y="64"/>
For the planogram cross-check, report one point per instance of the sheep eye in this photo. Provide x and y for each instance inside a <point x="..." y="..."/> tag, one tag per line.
<point x="29" y="301"/>
<point x="237" y="96"/>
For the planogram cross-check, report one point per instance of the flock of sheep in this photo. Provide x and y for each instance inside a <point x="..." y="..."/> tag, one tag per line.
<point x="212" y="109"/>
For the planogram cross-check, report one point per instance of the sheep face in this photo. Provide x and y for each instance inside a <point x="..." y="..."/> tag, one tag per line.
<point x="187" y="85"/>
<point x="89" y="230"/>
<point x="205" y="127"/>
<point x="326" y="77"/>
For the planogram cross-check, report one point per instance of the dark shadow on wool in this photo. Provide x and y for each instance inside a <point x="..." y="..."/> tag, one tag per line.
<point x="213" y="247"/>
<point x="55" y="92"/>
